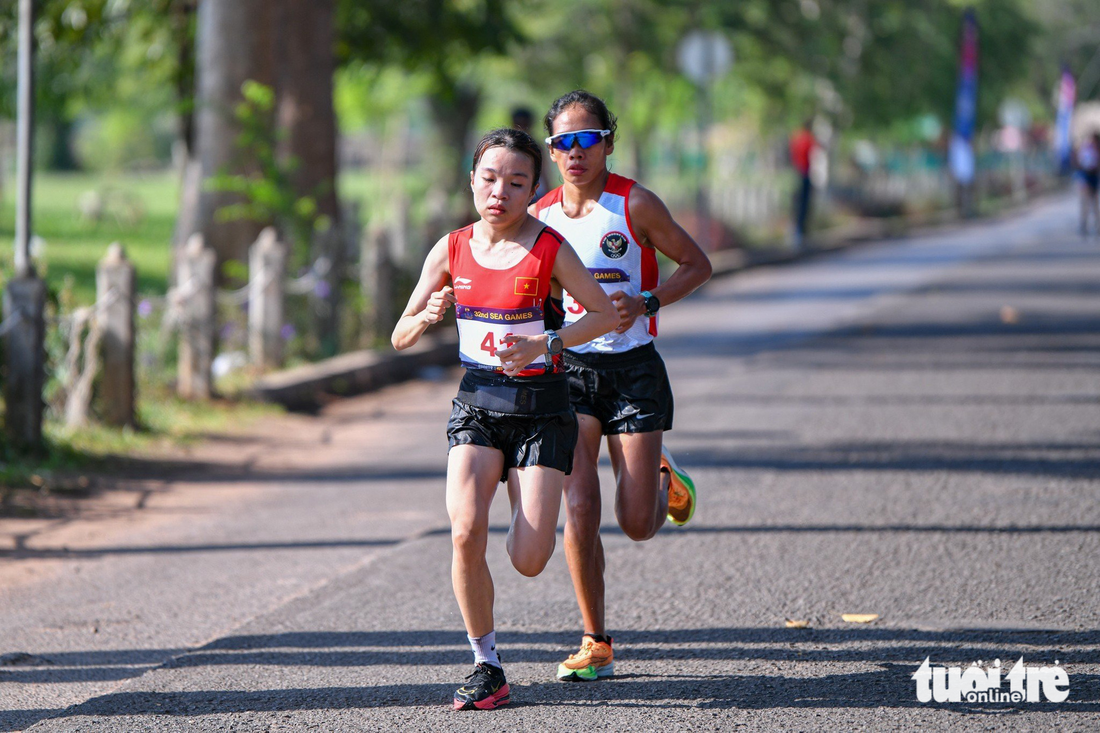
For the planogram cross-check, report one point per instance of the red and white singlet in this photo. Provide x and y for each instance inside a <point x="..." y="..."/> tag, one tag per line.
<point x="607" y="246"/>
<point x="492" y="304"/>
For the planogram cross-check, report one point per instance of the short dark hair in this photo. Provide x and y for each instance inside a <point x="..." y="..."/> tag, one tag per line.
<point x="590" y="102"/>
<point x="522" y="116"/>
<point x="511" y="139"/>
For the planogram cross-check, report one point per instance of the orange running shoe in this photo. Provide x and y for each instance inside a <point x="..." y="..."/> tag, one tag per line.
<point x="594" y="660"/>
<point x="681" y="491"/>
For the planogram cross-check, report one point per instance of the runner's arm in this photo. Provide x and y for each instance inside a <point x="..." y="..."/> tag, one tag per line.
<point x="574" y="277"/>
<point x="571" y="274"/>
<point x="429" y="301"/>
<point x="654" y="226"/>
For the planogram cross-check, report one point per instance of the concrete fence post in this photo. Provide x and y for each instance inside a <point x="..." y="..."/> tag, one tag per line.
<point x="378" y="275"/>
<point x="115" y="312"/>
<point x="266" y="266"/>
<point x="25" y="354"/>
<point x="196" y="289"/>
<point x="325" y="296"/>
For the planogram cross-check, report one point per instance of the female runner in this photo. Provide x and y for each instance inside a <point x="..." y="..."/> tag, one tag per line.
<point x="512" y="418"/>
<point x="618" y="384"/>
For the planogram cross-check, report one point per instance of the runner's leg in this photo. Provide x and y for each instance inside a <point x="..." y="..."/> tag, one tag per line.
<point x="1094" y="202"/>
<point x="472" y="475"/>
<point x="641" y="491"/>
<point x="583" y="548"/>
<point x="535" y="494"/>
<point x="1085" y="206"/>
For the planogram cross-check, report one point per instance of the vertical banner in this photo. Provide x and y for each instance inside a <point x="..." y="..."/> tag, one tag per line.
<point x="1063" y="140"/>
<point x="966" y="103"/>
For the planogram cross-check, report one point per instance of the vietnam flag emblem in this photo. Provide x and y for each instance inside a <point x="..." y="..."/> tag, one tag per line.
<point x="527" y="286"/>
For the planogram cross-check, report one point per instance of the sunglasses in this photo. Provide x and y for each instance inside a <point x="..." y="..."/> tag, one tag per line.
<point x="584" y="138"/>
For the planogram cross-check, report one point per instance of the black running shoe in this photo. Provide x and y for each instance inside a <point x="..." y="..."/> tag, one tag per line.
<point x="485" y="689"/>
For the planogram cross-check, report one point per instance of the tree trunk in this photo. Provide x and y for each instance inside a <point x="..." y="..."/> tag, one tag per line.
<point x="235" y="43"/>
<point x="183" y="19"/>
<point x="190" y="171"/>
<point x="453" y="113"/>
<point x="307" y="143"/>
<point x="59" y="136"/>
<point x="306" y="118"/>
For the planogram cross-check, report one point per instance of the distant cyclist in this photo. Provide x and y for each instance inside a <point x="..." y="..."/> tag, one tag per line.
<point x="618" y="384"/>
<point x="511" y="418"/>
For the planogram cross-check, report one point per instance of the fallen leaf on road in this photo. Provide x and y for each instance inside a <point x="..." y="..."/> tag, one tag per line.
<point x="797" y="624"/>
<point x="859" y="618"/>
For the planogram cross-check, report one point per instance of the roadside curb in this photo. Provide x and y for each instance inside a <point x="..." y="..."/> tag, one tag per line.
<point x="308" y="388"/>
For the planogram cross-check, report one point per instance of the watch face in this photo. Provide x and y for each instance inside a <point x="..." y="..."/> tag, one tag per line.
<point x="554" y="343"/>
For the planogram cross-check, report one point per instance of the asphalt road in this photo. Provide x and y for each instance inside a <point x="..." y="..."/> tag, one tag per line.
<point x="907" y="428"/>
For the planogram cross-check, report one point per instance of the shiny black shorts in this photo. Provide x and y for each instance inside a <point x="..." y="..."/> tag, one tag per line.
<point x="525" y="440"/>
<point x="627" y="393"/>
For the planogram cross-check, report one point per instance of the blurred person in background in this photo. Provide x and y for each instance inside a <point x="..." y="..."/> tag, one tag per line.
<point x="802" y="145"/>
<point x="511" y="420"/>
<point x="1087" y="162"/>
<point x="618" y="383"/>
<point x="522" y="119"/>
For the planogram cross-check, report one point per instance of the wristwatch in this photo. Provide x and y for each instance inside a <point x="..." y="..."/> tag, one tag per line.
<point x="652" y="305"/>
<point x="554" y="344"/>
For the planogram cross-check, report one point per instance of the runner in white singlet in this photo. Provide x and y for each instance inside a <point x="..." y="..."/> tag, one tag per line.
<point x="618" y="383"/>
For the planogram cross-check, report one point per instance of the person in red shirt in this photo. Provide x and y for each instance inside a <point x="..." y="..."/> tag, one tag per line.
<point x="512" y="420"/>
<point x="802" y="148"/>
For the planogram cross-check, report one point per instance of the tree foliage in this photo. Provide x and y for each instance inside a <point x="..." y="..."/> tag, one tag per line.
<point x="267" y="195"/>
<point x="97" y="55"/>
<point x="440" y="37"/>
<point x="866" y="64"/>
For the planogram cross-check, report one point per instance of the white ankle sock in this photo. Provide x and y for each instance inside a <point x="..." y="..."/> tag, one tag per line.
<point x="485" y="649"/>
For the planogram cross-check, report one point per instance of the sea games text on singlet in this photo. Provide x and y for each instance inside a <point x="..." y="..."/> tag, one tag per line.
<point x="491" y="304"/>
<point x="606" y="244"/>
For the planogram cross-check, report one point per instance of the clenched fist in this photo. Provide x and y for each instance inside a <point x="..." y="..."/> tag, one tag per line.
<point x="438" y="304"/>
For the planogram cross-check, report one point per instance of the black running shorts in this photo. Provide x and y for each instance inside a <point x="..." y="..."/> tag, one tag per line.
<point x="534" y="425"/>
<point x="627" y="392"/>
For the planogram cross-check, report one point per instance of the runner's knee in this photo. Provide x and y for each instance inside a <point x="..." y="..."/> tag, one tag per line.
<point x="468" y="538"/>
<point x="638" y="525"/>
<point x="582" y="510"/>
<point x="531" y="561"/>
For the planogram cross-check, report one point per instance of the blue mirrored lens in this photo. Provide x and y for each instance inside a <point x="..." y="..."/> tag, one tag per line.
<point x="585" y="138"/>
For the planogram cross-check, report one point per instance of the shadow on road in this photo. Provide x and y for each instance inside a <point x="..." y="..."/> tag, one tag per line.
<point x="1071" y="460"/>
<point x="897" y="652"/>
<point x="38" y="553"/>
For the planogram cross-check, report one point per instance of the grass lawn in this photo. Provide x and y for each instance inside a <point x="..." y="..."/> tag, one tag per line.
<point x="139" y="210"/>
<point x="74" y="245"/>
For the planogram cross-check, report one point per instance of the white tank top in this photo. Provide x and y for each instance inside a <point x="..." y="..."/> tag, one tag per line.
<point x="606" y="244"/>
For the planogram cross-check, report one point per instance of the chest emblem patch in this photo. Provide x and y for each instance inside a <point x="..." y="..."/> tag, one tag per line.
<point x="614" y="245"/>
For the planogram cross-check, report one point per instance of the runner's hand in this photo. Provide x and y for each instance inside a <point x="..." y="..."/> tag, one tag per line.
<point x="438" y="304"/>
<point x="520" y="351"/>
<point x="629" y="307"/>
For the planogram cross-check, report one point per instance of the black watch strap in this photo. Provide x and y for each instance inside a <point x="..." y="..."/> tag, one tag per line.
<point x="652" y="305"/>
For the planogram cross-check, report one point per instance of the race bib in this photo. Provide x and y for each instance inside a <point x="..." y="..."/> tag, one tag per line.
<point x="610" y="278"/>
<point x="482" y="332"/>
